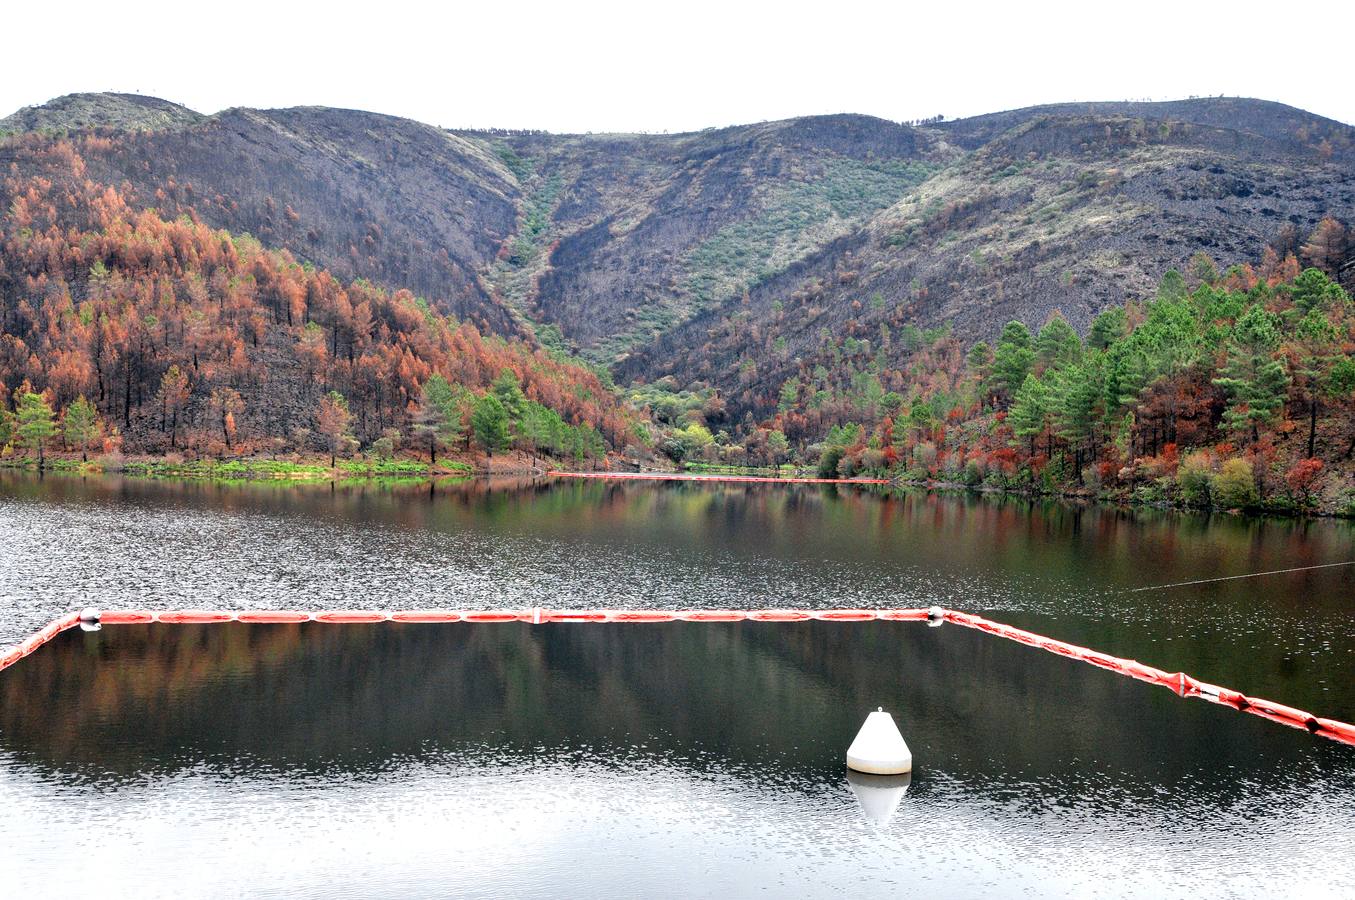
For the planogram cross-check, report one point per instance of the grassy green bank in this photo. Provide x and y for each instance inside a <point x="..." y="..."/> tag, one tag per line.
<point x="250" y="469"/>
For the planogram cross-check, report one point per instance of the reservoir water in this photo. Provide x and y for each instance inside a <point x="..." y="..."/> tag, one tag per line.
<point x="678" y="759"/>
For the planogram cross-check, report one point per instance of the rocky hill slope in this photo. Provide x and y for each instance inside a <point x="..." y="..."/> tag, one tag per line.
<point x="123" y="112"/>
<point x="628" y="236"/>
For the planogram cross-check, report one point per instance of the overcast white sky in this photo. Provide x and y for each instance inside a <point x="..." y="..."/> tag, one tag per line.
<point x="679" y="65"/>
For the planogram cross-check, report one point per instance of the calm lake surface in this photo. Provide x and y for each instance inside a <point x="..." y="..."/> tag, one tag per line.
<point x="661" y="760"/>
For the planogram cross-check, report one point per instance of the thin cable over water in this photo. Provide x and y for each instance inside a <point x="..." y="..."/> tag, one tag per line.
<point x="1163" y="587"/>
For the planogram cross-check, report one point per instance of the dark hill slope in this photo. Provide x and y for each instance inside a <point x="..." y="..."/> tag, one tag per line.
<point x="1283" y="126"/>
<point x="630" y="235"/>
<point x="1074" y="214"/>
<point x="364" y="195"/>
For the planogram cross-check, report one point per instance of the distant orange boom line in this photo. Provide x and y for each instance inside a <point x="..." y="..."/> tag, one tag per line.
<point x="686" y="476"/>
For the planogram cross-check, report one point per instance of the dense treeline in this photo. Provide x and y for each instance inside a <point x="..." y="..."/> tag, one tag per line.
<point x="174" y="336"/>
<point x="1230" y="389"/>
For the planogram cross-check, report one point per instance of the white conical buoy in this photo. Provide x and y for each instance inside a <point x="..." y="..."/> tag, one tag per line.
<point x="879" y="795"/>
<point x="879" y="749"/>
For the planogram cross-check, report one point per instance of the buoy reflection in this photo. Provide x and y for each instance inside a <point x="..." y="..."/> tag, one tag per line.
<point x="878" y="795"/>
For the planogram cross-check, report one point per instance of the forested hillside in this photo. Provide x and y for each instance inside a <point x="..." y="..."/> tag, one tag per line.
<point x="149" y="335"/>
<point x="1233" y="389"/>
<point x="729" y="258"/>
<point x="761" y="289"/>
<point x="399" y="203"/>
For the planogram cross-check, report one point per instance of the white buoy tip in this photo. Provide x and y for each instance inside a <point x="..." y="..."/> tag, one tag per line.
<point x="879" y="748"/>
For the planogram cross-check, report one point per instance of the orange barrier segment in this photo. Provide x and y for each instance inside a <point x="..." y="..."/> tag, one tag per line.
<point x="351" y="616"/>
<point x="29" y="645"/>
<point x="779" y="615"/>
<point x="195" y="616"/>
<point x="427" y="616"/>
<point x="271" y="616"/>
<point x="496" y="616"/>
<point x="643" y="615"/>
<point x="712" y="615"/>
<point x="738" y="479"/>
<point x="1178" y="682"/>
<point x="127" y="617"/>
<point x="846" y="615"/>
<point x="579" y="616"/>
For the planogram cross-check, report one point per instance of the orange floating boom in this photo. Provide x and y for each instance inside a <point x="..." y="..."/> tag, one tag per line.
<point x="1179" y="683"/>
<point x="677" y="476"/>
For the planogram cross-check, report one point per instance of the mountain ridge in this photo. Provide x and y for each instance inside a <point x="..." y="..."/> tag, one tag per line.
<point x="681" y="254"/>
<point x="1218" y="110"/>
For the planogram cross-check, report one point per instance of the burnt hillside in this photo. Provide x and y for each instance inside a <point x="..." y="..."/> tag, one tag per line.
<point x="735" y="256"/>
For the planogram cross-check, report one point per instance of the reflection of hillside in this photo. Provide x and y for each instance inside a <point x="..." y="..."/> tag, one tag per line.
<point x="1094" y="549"/>
<point x="312" y="697"/>
<point x="350" y="496"/>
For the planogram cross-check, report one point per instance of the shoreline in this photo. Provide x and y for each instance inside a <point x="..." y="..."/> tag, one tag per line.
<point x="317" y="471"/>
<point x="238" y="469"/>
<point x="286" y="468"/>
<point x="1083" y="498"/>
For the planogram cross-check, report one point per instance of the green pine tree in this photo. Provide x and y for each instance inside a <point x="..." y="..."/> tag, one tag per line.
<point x="438" y="418"/>
<point x="1255" y="382"/>
<point x="508" y="390"/>
<point x="1108" y="328"/>
<point x="489" y="423"/>
<point x="541" y="429"/>
<point x="1058" y="344"/>
<point x="1313" y="290"/>
<point x="1319" y="350"/>
<point x="80" y="425"/>
<point x="1077" y="401"/>
<point x="36" y="424"/>
<point x="1011" y="361"/>
<point x="1172" y="287"/>
<point x="1031" y="408"/>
